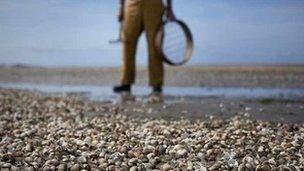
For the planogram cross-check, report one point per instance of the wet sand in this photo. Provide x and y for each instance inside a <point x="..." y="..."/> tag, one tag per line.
<point x="266" y="109"/>
<point x="272" y="110"/>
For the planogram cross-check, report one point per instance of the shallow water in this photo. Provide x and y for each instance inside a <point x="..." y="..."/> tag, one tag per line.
<point x="104" y="93"/>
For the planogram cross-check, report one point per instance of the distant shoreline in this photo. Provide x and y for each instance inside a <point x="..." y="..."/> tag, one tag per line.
<point x="265" y="76"/>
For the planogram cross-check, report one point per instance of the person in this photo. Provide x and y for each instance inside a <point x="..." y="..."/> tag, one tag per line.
<point x="138" y="16"/>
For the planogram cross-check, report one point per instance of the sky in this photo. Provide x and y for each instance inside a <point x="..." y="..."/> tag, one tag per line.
<point x="76" y="32"/>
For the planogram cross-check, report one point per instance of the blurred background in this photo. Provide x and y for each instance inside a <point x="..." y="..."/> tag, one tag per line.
<point x="76" y="33"/>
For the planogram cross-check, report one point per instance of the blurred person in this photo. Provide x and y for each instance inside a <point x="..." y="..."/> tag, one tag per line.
<point x="138" y="16"/>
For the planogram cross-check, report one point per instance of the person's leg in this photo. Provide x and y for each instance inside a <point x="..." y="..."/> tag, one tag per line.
<point x="132" y="28"/>
<point x="153" y="10"/>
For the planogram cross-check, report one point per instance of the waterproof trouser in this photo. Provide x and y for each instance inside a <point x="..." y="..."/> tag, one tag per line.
<point x="139" y="16"/>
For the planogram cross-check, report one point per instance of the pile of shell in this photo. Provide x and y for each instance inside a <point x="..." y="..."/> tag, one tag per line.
<point x="49" y="133"/>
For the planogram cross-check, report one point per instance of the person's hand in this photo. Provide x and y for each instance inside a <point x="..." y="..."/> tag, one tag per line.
<point x="120" y="14"/>
<point x="170" y="14"/>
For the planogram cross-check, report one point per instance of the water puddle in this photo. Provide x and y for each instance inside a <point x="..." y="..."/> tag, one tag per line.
<point x="104" y="93"/>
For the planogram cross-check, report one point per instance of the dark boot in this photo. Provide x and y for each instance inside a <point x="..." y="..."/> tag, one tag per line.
<point x="122" y="88"/>
<point x="157" y="89"/>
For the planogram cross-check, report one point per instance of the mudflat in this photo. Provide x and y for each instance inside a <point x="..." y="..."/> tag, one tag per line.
<point x="189" y="107"/>
<point x="250" y="76"/>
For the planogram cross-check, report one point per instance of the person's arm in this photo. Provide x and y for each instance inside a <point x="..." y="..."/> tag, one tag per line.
<point x="121" y="10"/>
<point x="171" y="15"/>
